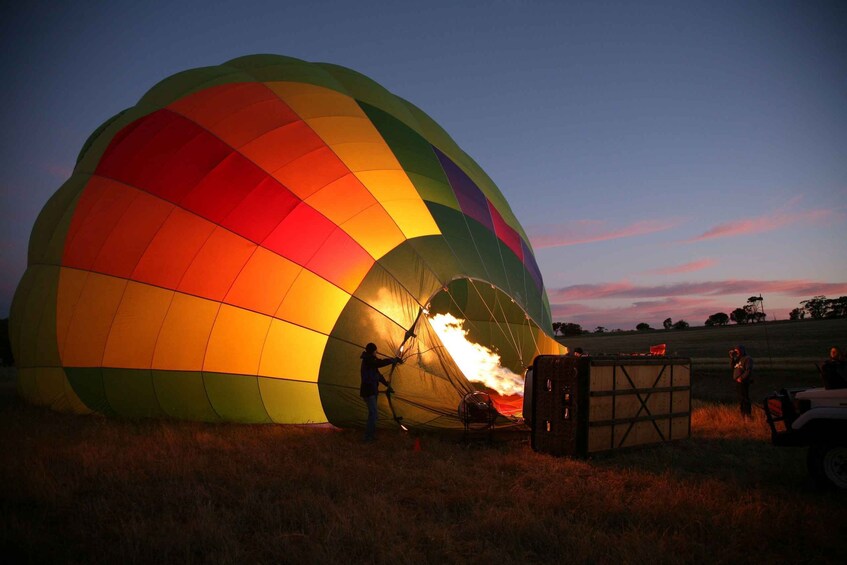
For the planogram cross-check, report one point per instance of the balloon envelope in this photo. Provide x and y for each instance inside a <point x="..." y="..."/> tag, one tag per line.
<point x="224" y="250"/>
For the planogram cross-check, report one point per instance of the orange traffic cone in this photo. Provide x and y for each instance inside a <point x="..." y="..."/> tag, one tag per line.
<point x="417" y="446"/>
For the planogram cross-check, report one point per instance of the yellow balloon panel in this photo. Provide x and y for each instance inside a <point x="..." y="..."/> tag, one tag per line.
<point x="392" y="187"/>
<point x="185" y="334"/>
<point x="292" y="402"/>
<point x="418" y="222"/>
<point x="90" y="317"/>
<point x="292" y="352"/>
<point x="367" y="156"/>
<point x="390" y="184"/>
<point x="313" y="302"/>
<point x="235" y="345"/>
<point x="338" y="130"/>
<point x="136" y="326"/>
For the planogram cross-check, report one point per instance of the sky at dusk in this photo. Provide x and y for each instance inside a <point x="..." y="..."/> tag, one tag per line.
<point x="666" y="159"/>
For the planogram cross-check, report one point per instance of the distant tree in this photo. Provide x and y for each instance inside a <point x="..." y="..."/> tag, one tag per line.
<point x="642" y="327"/>
<point x="797" y="314"/>
<point x="667" y="324"/>
<point x="570" y="329"/>
<point x="836" y="307"/>
<point x="739" y="316"/>
<point x="599" y="330"/>
<point x="718" y="319"/>
<point x="556" y="327"/>
<point x="681" y="325"/>
<point x="757" y="317"/>
<point x="815" y="306"/>
<point x="820" y="306"/>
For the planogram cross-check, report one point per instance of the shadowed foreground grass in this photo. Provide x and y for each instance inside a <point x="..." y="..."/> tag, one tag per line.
<point x="91" y="489"/>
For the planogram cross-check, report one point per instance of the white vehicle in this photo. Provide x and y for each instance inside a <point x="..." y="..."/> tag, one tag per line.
<point x="816" y="418"/>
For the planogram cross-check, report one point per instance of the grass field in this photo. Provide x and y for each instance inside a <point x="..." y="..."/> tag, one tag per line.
<point x="90" y="489"/>
<point x="799" y="340"/>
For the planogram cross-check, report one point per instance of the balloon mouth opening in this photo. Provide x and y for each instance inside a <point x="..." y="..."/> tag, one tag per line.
<point x="479" y="326"/>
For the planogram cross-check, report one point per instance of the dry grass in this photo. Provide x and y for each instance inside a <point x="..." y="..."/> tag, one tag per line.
<point x="89" y="489"/>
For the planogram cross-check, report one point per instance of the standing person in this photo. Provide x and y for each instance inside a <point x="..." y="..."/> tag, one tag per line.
<point x="742" y="374"/>
<point x="369" y="389"/>
<point x="834" y="370"/>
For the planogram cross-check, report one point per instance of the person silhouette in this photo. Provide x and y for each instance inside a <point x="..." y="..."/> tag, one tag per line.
<point x="834" y="370"/>
<point x="369" y="388"/>
<point x="742" y="374"/>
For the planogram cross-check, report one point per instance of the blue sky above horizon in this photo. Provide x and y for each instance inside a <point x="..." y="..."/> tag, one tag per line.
<point x="667" y="159"/>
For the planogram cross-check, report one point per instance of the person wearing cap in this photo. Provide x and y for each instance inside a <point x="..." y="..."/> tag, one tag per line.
<point x="742" y="374"/>
<point x="369" y="389"/>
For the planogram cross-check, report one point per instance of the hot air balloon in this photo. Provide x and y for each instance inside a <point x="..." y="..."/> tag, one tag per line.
<point x="225" y="248"/>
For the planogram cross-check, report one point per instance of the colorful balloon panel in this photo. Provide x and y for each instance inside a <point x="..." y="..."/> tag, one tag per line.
<point x="225" y="248"/>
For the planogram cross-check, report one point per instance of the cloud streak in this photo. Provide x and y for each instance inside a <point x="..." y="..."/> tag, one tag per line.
<point x="590" y="231"/>
<point x="764" y="223"/>
<point x="684" y="268"/>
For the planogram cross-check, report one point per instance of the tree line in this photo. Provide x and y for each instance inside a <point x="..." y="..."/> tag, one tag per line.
<point x="820" y="307"/>
<point x="815" y="308"/>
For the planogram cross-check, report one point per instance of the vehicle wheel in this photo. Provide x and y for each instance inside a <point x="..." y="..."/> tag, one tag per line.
<point x="828" y="466"/>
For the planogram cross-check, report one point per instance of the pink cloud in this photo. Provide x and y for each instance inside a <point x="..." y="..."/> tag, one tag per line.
<point x="624" y="289"/>
<point x="769" y="222"/>
<point x="589" y="231"/>
<point x="684" y="268"/>
<point x="561" y="311"/>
